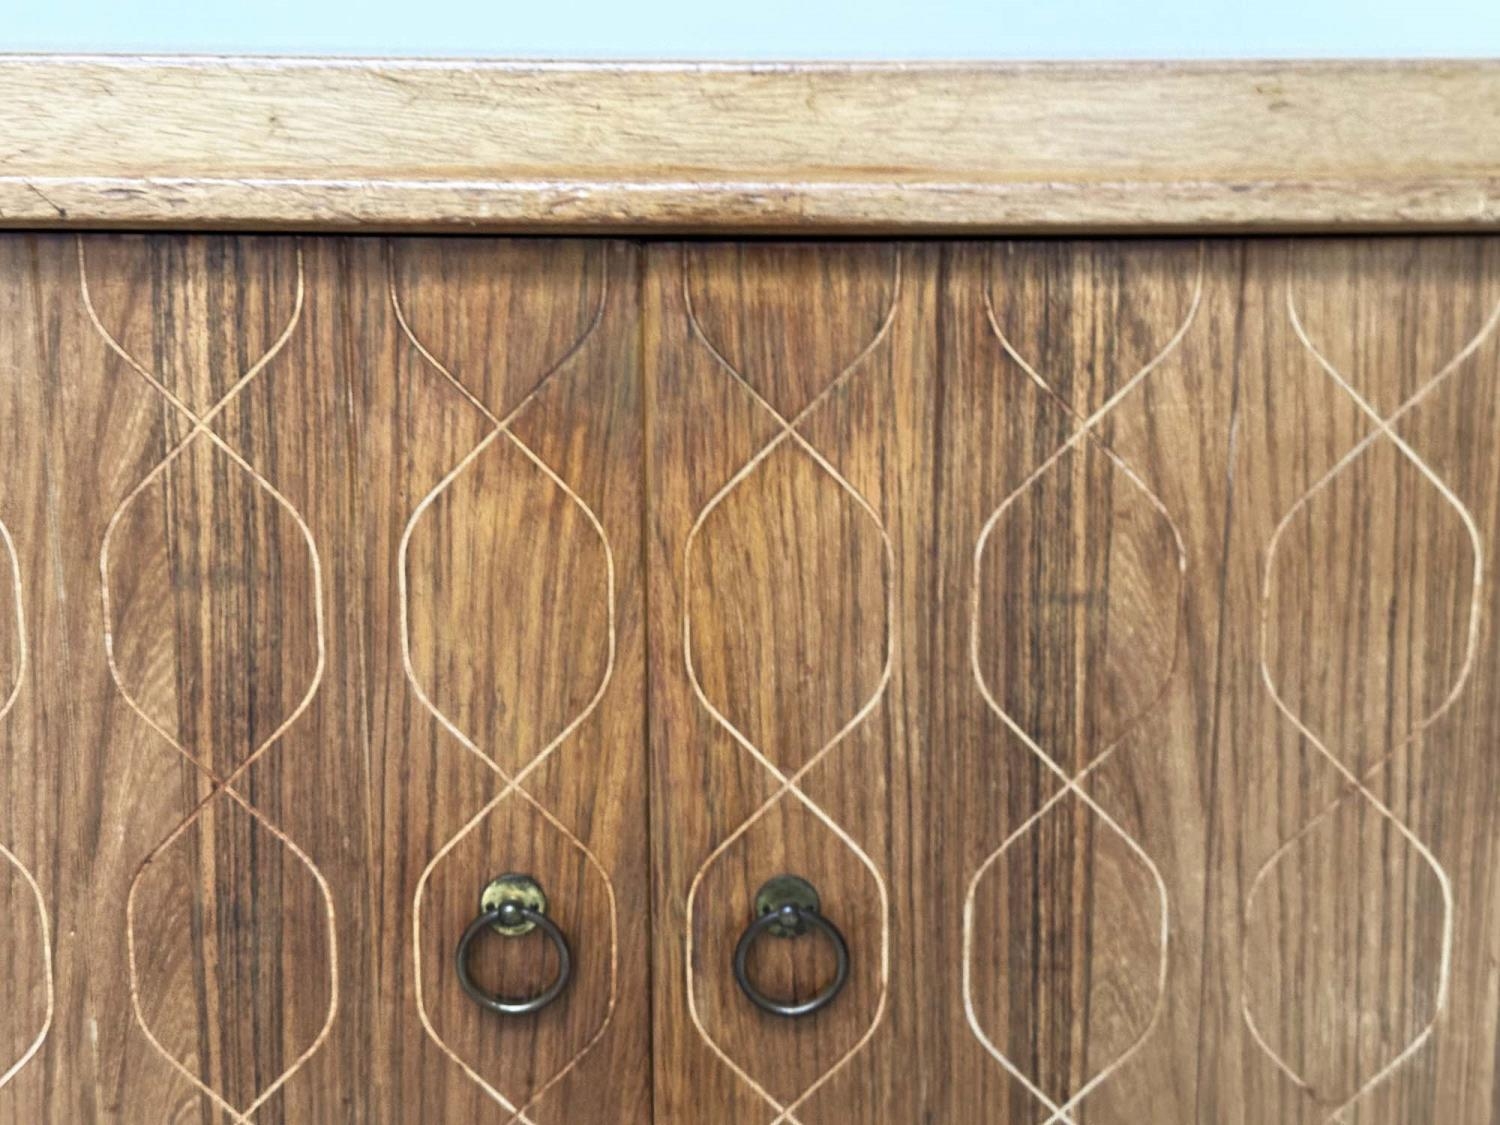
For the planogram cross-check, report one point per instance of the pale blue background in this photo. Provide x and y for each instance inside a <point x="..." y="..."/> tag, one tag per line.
<point x="763" y="29"/>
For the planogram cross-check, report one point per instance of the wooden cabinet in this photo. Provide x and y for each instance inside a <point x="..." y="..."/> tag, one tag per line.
<point x="1102" y="627"/>
<point x="1000" y="556"/>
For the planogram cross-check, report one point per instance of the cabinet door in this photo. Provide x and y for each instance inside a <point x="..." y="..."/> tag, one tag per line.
<point x="1105" y="631"/>
<point x="320" y="606"/>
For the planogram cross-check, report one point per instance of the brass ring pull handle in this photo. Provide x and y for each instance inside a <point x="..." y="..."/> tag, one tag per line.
<point x="787" y="907"/>
<point x="512" y="905"/>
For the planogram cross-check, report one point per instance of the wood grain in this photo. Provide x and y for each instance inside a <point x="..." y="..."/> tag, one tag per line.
<point x="231" y="605"/>
<point x="1105" y="627"/>
<point x="1080" y="453"/>
<point x="836" y="148"/>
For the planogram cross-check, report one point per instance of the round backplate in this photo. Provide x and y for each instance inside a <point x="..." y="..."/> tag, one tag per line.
<point x="522" y="890"/>
<point x="785" y="890"/>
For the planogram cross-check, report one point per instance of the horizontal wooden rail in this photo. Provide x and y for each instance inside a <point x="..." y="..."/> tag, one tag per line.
<point x="801" y="149"/>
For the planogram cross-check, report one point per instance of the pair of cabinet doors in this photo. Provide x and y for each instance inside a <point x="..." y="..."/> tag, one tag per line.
<point x="1106" y="630"/>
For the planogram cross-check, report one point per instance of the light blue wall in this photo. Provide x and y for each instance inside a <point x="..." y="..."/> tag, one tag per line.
<point x="763" y="29"/>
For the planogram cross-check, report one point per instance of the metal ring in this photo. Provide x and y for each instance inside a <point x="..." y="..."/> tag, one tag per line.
<point x="791" y="918"/>
<point x="513" y="914"/>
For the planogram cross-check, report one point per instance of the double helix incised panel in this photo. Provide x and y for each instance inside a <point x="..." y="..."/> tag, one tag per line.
<point x="1104" y="630"/>
<point x="328" y="556"/>
<point x="1102" y="634"/>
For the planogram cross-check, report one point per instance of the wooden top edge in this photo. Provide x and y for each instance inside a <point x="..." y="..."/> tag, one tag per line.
<point x="748" y="148"/>
<point x="1091" y="67"/>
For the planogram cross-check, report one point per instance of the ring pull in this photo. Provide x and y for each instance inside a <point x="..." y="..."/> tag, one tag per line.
<point x="787" y="906"/>
<point x="512" y="905"/>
